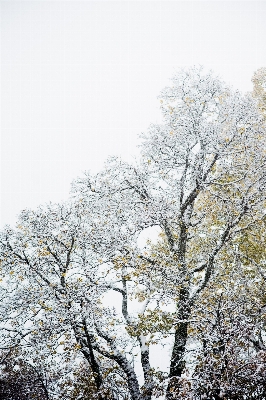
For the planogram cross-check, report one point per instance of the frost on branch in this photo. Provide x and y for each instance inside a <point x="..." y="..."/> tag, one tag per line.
<point x="84" y="298"/>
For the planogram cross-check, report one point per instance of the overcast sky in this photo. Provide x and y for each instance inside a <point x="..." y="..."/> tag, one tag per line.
<point x="80" y="80"/>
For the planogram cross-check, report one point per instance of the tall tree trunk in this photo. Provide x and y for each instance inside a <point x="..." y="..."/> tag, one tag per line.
<point x="177" y="363"/>
<point x="145" y="362"/>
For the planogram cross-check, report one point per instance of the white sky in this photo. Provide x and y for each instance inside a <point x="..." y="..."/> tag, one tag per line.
<point x="80" y="80"/>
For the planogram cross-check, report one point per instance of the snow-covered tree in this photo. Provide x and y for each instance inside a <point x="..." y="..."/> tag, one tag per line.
<point x="78" y="282"/>
<point x="259" y="89"/>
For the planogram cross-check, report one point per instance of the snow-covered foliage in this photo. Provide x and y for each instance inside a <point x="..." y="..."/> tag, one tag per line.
<point x="83" y="299"/>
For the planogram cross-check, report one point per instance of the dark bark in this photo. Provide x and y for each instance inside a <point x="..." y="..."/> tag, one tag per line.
<point x="177" y="363"/>
<point x="90" y="357"/>
<point x="148" y="377"/>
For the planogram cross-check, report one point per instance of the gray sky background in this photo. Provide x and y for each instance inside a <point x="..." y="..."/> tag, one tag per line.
<point x="80" y="80"/>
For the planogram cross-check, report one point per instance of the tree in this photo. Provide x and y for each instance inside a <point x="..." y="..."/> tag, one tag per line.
<point x="200" y="183"/>
<point x="259" y="89"/>
<point x="20" y="380"/>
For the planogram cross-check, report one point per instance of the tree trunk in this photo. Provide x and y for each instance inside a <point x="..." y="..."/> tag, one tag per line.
<point x="145" y="362"/>
<point x="177" y="364"/>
